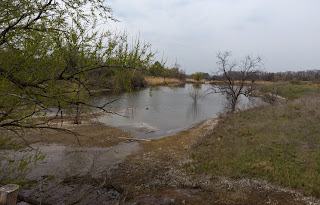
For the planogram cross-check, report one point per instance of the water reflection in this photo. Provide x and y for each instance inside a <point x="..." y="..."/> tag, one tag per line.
<point x="193" y="111"/>
<point x="197" y="86"/>
<point x="177" y="86"/>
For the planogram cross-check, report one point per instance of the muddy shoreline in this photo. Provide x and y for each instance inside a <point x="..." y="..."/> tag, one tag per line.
<point x="138" y="172"/>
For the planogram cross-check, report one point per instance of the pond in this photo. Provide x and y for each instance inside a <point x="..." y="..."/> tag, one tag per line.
<point x="162" y="111"/>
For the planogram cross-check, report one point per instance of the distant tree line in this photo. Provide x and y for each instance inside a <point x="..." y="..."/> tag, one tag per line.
<point x="308" y="75"/>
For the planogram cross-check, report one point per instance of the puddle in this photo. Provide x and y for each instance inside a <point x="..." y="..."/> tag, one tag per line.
<point x="66" y="161"/>
<point x="70" y="175"/>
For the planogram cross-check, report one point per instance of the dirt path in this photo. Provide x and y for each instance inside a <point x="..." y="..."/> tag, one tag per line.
<point x="156" y="174"/>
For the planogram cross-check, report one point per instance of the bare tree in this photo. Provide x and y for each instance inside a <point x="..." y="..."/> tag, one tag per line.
<point x="238" y="78"/>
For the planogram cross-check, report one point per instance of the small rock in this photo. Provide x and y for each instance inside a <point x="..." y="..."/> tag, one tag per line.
<point x="23" y="203"/>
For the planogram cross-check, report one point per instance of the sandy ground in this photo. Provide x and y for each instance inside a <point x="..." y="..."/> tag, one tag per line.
<point x="109" y="169"/>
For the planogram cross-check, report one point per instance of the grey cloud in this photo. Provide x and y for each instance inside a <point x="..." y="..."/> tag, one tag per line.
<point x="285" y="32"/>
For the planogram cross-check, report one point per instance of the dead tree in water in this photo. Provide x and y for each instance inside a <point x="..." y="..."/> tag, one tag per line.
<point x="196" y="93"/>
<point x="237" y="78"/>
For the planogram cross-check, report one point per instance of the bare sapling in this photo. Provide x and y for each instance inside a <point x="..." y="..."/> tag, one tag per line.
<point x="237" y="78"/>
<point x="196" y="93"/>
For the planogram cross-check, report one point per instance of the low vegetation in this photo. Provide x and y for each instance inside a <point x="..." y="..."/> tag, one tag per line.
<point x="290" y="91"/>
<point x="280" y="144"/>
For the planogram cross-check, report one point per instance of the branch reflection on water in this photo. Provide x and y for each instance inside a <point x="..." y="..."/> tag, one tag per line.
<point x="193" y="111"/>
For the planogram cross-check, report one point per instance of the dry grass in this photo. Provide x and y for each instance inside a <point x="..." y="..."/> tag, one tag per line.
<point x="190" y="80"/>
<point x="155" y="81"/>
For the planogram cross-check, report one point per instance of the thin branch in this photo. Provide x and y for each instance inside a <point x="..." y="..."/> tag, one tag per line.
<point x="20" y="136"/>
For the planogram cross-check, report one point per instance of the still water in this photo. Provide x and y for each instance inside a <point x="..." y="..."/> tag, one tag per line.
<point x="162" y="111"/>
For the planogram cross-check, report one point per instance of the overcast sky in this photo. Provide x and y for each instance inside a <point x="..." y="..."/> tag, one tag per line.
<point x="285" y="33"/>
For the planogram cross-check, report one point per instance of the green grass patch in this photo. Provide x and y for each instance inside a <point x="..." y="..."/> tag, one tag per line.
<point x="291" y="91"/>
<point x="280" y="144"/>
